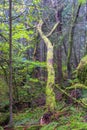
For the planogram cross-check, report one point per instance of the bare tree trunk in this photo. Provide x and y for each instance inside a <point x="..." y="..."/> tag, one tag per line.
<point x="75" y="57"/>
<point x="58" y="17"/>
<point x="86" y="32"/>
<point x="37" y="58"/>
<point x="59" y="49"/>
<point x="10" y="62"/>
<point x="71" y="41"/>
<point x="65" y="49"/>
<point x="43" y="75"/>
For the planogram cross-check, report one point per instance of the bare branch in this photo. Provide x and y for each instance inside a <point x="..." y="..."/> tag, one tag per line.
<point x="53" y="29"/>
<point x="39" y="26"/>
<point x="14" y="18"/>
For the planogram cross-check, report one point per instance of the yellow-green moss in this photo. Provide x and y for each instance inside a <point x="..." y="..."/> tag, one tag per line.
<point x="82" y="71"/>
<point x="84" y="101"/>
<point x="78" y="86"/>
<point x="50" y="95"/>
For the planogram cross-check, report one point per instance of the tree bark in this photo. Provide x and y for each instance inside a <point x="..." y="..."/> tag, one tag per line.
<point x="50" y="95"/>
<point x="59" y="49"/>
<point x="10" y="63"/>
<point x="71" y="42"/>
<point x="86" y="32"/>
<point x="58" y="17"/>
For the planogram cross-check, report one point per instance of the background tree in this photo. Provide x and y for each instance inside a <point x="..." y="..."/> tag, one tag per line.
<point x="10" y="63"/>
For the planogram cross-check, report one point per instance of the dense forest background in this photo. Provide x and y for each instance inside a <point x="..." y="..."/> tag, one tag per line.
<point x="43" y="64"/>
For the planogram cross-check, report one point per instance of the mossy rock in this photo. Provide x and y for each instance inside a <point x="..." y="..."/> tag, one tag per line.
<point x="82" y="71"/>
<point x="1" y="128"/>
<point x="4" y="118"/>
<point x="34" y="127"/>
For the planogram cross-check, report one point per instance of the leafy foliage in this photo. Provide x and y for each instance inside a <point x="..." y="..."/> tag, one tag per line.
<point x="3" y="92"/>
<point x="29" y="116"/>
<point x="82" y="1"/>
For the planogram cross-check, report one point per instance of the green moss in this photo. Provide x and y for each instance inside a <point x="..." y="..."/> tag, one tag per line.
<point x="50" y="95"/>
<point x="77" y="85"/>
<point x="82" y="71"/>
<point x="84" y="101"/>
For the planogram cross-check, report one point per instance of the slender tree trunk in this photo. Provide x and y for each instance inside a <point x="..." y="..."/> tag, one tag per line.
<point x="42" y="59"/>
<point x="50" y="95"/>
<point x="10" y="62"/>
<point x="65" y="49"/>
<point x="71" y="42"/>
<point x="75" y="57"/>
<point x="37" y="58"/>
<point x="59" y="49"/>
<point x="58" y="17"/>
<point x="86" y="32"/>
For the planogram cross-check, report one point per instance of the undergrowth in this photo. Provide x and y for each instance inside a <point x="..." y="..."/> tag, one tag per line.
<point x="29" y="116"/>
<point x="73" y="120"/>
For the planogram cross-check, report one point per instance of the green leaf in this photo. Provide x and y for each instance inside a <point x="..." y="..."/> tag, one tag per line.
<point x="82" y="1"/>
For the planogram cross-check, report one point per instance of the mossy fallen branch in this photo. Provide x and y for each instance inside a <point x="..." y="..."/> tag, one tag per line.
<point x="74" y="99"/>
<point x="77" y="85"/>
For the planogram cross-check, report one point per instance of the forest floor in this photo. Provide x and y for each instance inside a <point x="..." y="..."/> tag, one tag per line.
<point x="66" y="117"/>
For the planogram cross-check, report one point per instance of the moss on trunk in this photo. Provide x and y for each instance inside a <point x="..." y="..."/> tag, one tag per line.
<point x="50" y="95"/>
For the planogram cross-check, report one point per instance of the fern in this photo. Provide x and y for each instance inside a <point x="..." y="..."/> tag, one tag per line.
<point x="50" y="126"/>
